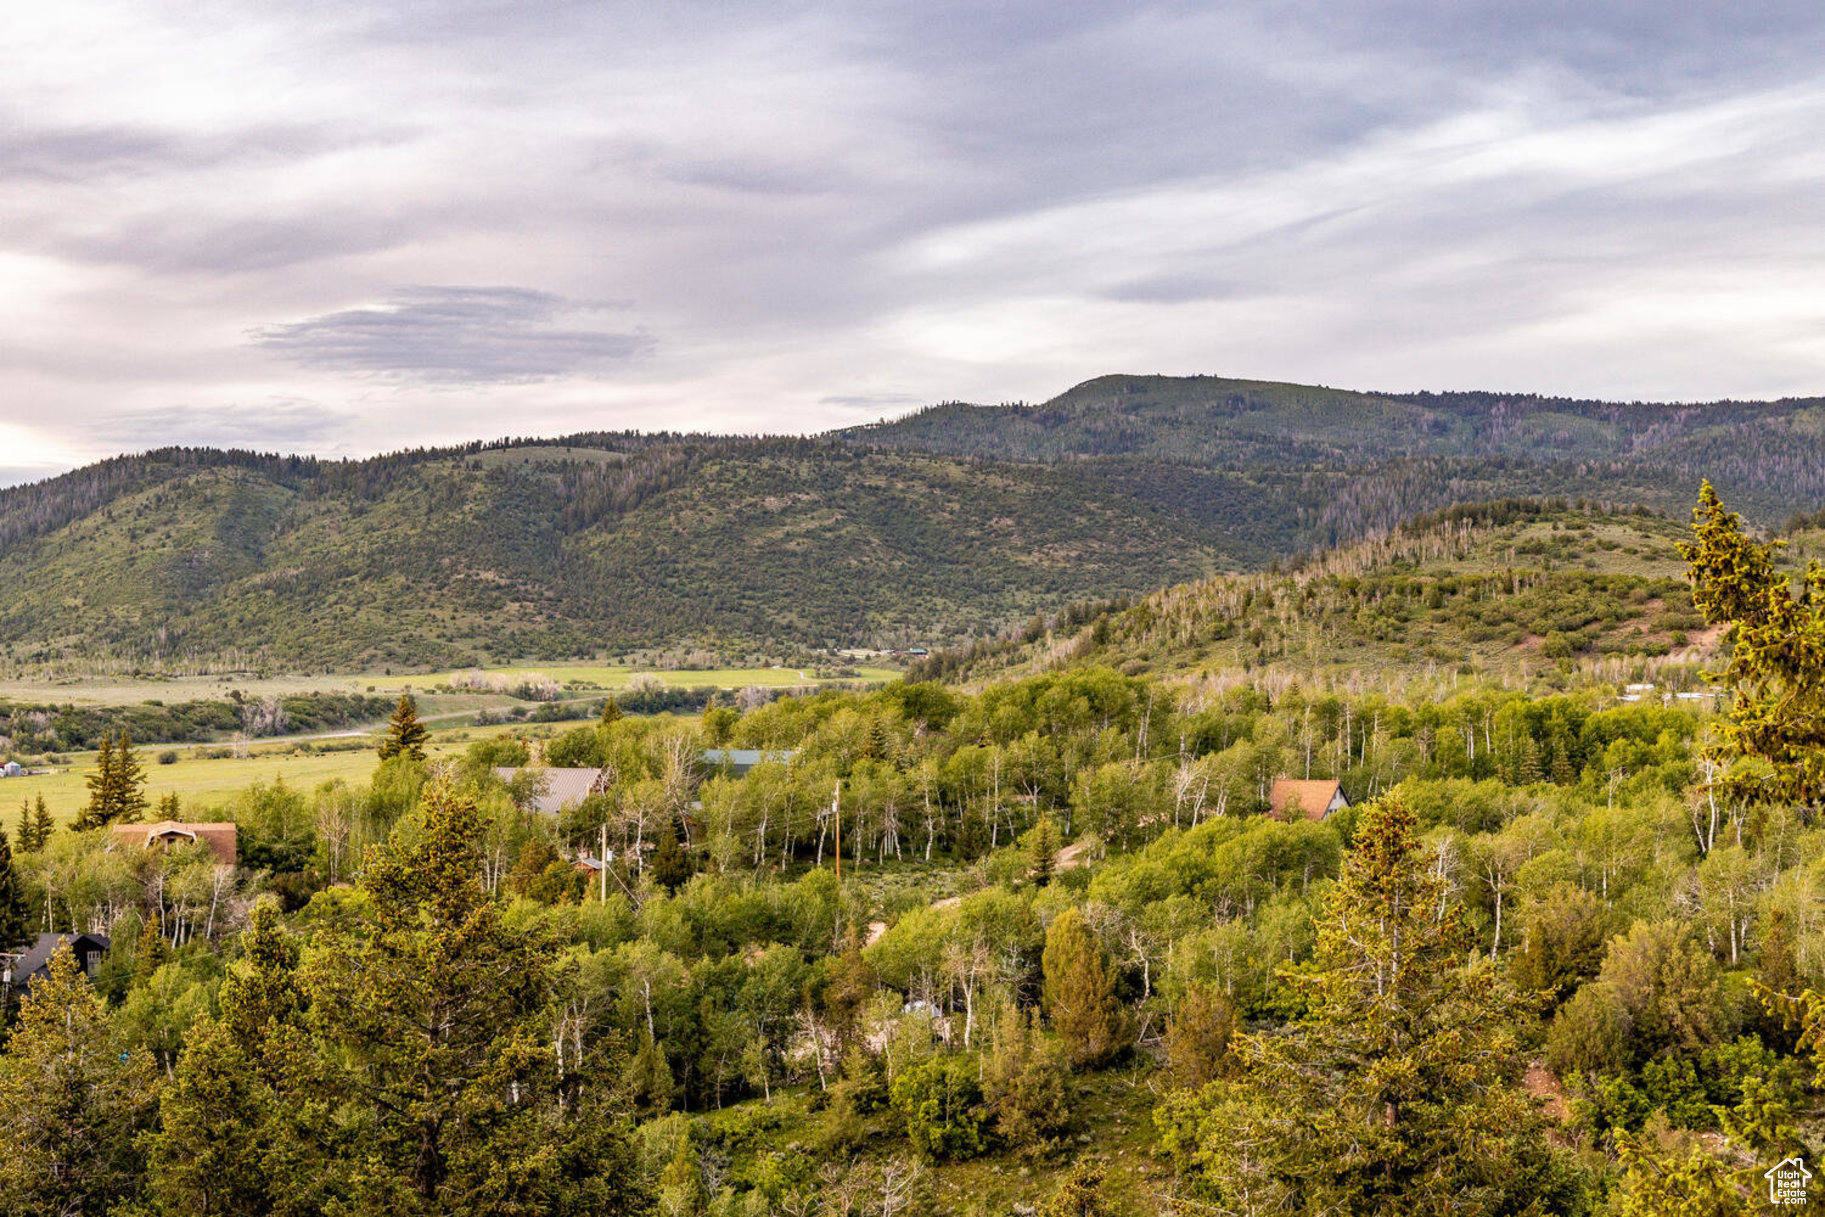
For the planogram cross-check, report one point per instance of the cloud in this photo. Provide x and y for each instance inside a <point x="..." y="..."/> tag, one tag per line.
<point x="272" y="425"/>
<point x="833" y="211"/>
<point x="457" y="335"/>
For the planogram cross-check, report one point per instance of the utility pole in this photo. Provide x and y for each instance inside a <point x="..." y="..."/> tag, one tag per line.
<point x="836" y="810"/>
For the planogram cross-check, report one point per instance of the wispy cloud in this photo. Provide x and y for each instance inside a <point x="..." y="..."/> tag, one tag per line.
<point x="270" y="425"/>
<point x="468" y="335"/>
<point x="826" y="211"/>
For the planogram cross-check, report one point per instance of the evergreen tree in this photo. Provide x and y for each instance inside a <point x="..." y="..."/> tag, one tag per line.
<point x="405" y="734"/>
<point x="129" y="783"/>
<point x="14" y="923"/>
<point x="681" y="1189"/>
<point x="670" y="864"/>
<point x="150" y="952"/>
<point x="1042" y="851"/>
<point x="1777" y="719"/>
<point x="611" y="711"/>
<point x="1080" y="991"/>
<point x="117" y="787"/>
<point x="170" y="807"/>
<point x="35" y="826"/>
<point x="242" y="1125"/>
<point x="1397" y="1091"/>
<point x="101" y="808"/>
<point x="72" y="1102"/>
<point x="431" y="1021"/>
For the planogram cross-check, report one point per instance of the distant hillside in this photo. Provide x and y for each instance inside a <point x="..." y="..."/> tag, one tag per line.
<point x="1506" y="587"/>
<point x="943" y="526"/>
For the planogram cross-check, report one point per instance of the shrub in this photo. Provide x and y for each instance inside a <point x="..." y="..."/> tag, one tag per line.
<point x="941" y="1102"/>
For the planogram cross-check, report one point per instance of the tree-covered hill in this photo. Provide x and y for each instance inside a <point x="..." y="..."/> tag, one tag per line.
<point x="1514" y="587"/>
<point x="947" y="525"/>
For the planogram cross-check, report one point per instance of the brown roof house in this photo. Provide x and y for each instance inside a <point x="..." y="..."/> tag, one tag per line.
<point x="170" y="834"/>
<point x="1309" y="800"/>
<point x="559" y="787"/>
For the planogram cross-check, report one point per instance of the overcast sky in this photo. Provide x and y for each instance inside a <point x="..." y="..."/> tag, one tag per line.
<point x="345" y="227"/>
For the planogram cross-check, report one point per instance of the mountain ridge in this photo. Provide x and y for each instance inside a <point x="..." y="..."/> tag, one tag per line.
<point x="944" y="525"/>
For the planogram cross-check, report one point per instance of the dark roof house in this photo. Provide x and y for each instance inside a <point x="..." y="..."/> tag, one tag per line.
<point x="36" y="961"/>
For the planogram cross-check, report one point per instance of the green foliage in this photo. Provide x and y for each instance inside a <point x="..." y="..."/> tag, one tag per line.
<point x="1024" y="1084"/>
<point x="1396" y="1092"/>
<point x="1080" y="992"/>
<point x="72" y="1103"/>
<point x="405" y="735"/>
<point x="14" y="923"/>
<point x="1774" y="743"/>
<point x="941" y="1102"/>
<point x="117" y="787"/>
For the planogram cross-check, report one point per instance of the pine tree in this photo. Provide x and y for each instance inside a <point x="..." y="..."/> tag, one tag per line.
<point x="102" y="786"/>
<point x="1397" y="1091"/>
<point x="72" y="1102"/>
<point x="117" y="787"/>
<point x="14" y="924"/>
<point x="447" y="1120"/>
<point x="1042" y="851"/>
<point x="681" y="1189"/>
<point x="670" y="864"/>
<point x="1079" y="991"/>
<point x="611" y="711"/>
<point x="170" y="807"/>
<point x="26" y="837"/>
<point x="1775" y="670"/>
<point x="151" y="951"/>
<point x="242" y="1125"/>
<point x="35" y="826"/>
<point x="129" y="783"/>
<point x="405" y="734"/>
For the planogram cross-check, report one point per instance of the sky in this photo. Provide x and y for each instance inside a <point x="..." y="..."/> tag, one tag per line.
<point x="343" y="228"/>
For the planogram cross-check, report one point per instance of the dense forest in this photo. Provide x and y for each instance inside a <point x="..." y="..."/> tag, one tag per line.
<point x="1029" y="942"/>
<point x="942" y="527"/>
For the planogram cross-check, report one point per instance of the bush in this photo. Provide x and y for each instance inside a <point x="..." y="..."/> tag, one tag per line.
<point x="941" y="1102"/>
<point x="168" y="757"/>
<point x="1591" y="1034"/>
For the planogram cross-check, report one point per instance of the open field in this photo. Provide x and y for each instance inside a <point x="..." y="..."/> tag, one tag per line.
<point x="204" y="782"/>
<point x="117" y="690"/>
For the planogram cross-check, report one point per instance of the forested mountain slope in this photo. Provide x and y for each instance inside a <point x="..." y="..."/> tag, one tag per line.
<point x="943" y="526"/>
<point x="1513" y="587"/>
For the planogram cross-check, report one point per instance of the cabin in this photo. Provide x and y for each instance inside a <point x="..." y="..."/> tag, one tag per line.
<point x="735" y="762"/>
<point x="561" y="788"/>
<point x="222" y="839"/>
<point x="1292" y="799"/>
<point x="11" y="769"/>
<point x="36" y="961"/>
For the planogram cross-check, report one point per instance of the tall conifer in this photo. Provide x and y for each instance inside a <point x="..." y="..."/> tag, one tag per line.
<point x="405" y="734"/>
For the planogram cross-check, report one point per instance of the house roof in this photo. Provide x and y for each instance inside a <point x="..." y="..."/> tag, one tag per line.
<point x="563" y="787"/>
<point x="740" y="760"/>
<point x="220" y="838"/>
<point x="1312" y="799"/>
<point x="37" y="958"/>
